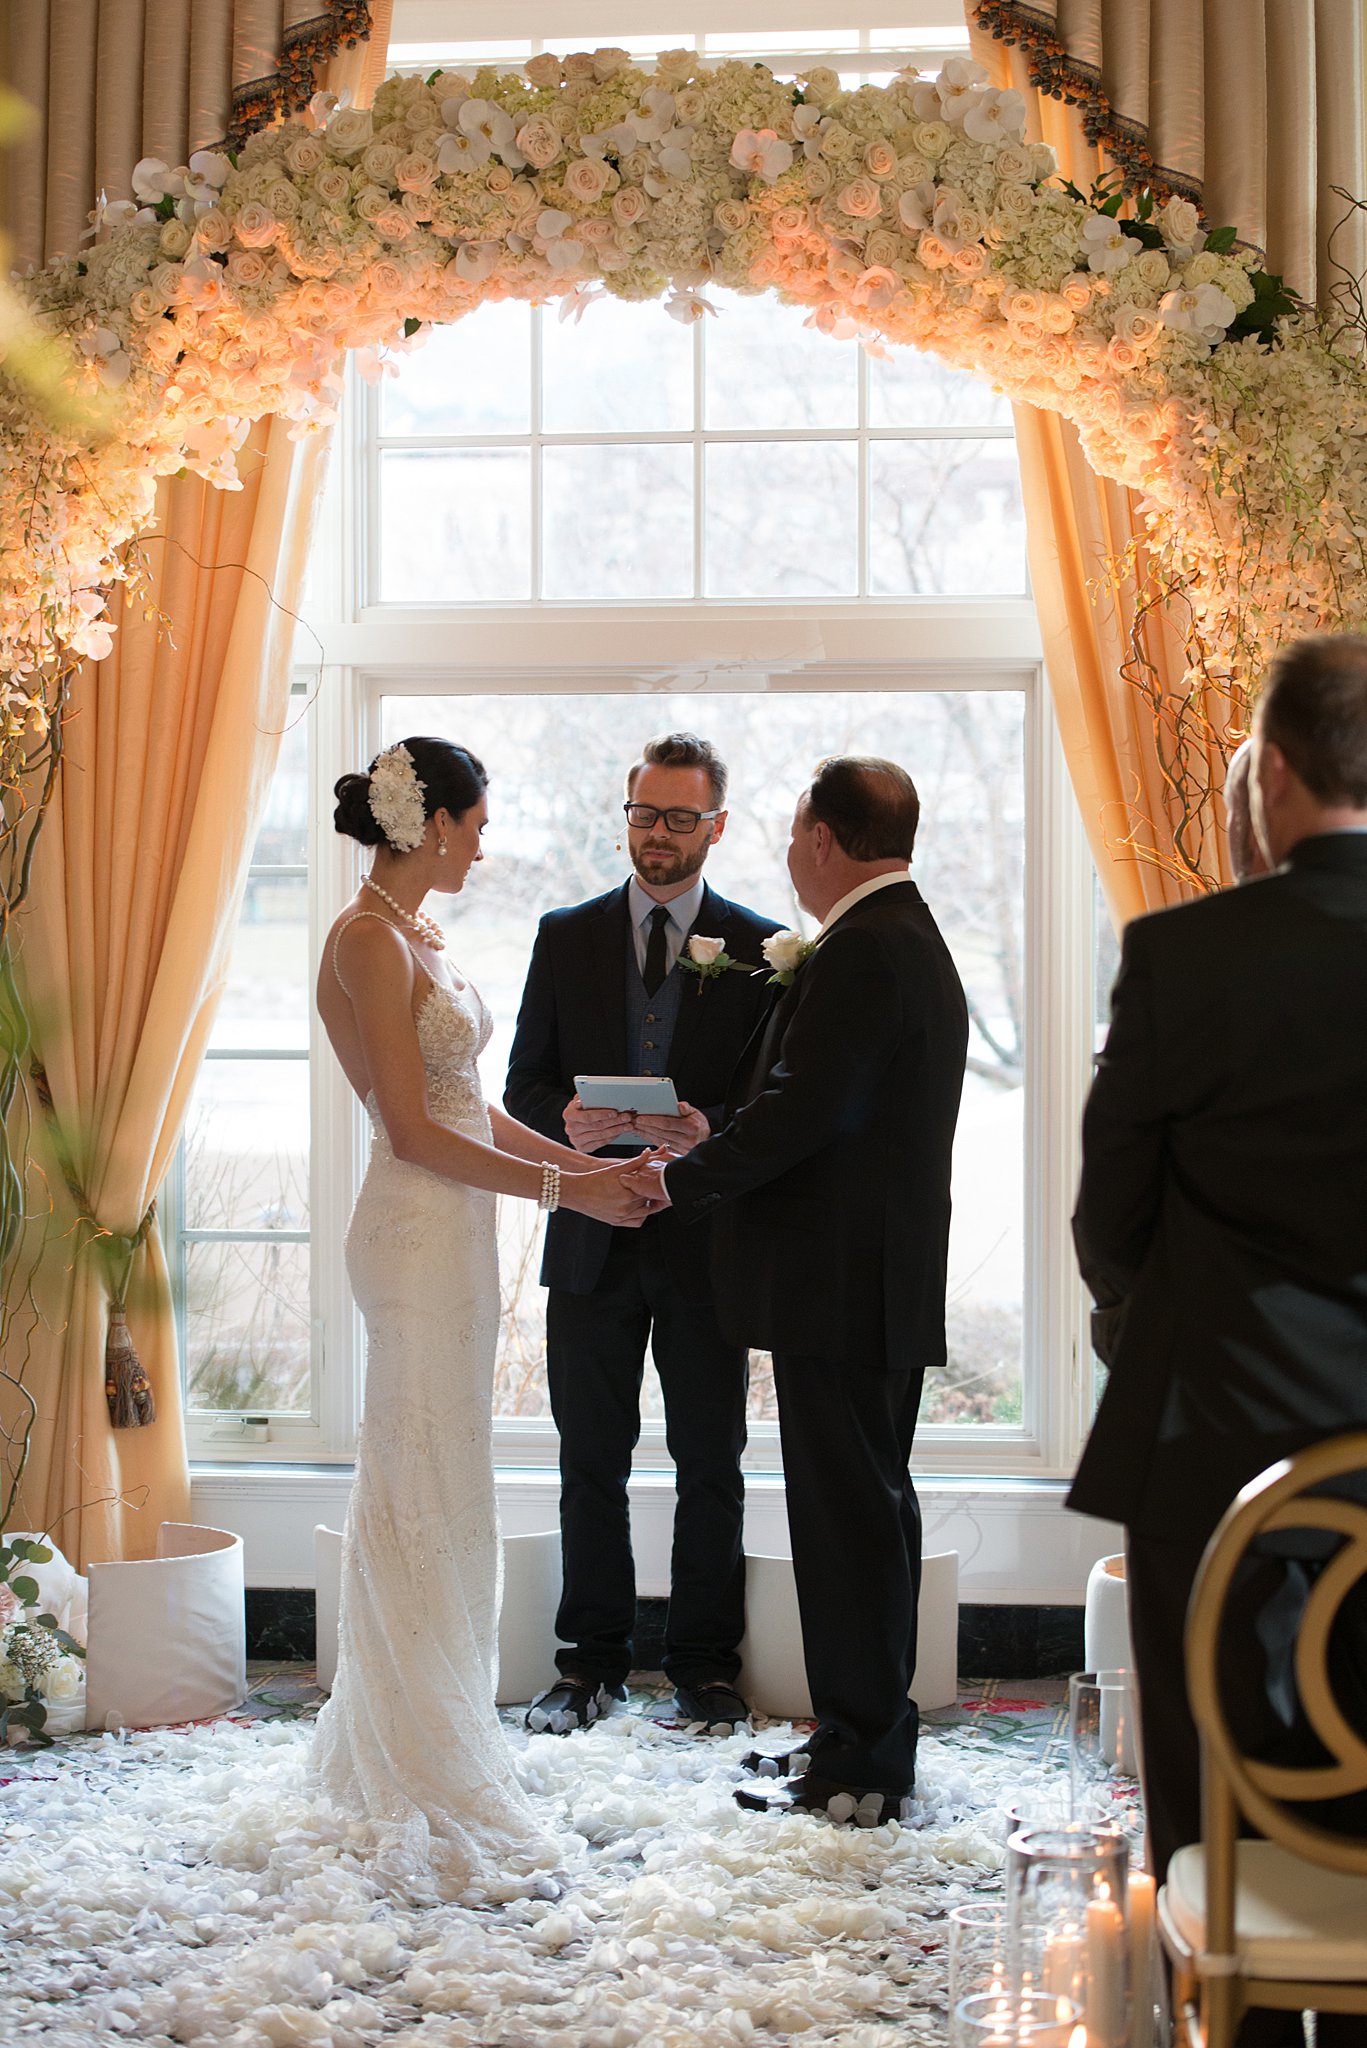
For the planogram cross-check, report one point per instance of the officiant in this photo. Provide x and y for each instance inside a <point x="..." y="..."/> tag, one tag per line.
<point x="612" y="990"/>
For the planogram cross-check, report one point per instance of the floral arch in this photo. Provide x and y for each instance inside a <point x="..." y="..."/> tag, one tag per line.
<point x="913" y="213"/>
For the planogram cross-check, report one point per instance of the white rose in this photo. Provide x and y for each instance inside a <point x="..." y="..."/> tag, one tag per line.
<point x="540" y="141"/>
<point x="542" y="71"/>
<point x="1180" y="222"/>
<point x="65" y="1681"/>
<point x="822" y="84"/>
<point x="586" y="180"/>
<point x="784" y="951"/>
<point x="174" y="239"/>
<point x="705" y="951"/>
<point x="350" y="128"/>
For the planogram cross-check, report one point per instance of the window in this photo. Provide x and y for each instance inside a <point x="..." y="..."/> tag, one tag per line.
<point x="517" y="457"/>
<point x="553" y="838"/>
<point x="241" y="1184"/>
<point x="550" y="539"/>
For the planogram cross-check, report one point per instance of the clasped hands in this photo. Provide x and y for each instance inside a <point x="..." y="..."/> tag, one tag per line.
<point x="639" y="1181"/>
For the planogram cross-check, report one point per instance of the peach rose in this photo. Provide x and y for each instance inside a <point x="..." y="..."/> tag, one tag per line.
<point x="861" y="199"/>
<point x="880" y="159"/>
<point x="586" y="180"/>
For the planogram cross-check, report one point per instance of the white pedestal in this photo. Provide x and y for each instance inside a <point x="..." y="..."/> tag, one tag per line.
<point x="168" y="1635"/>
<point x="773" y="1675"/>
<point x="526" y="1623"/>
<point x="1106" y="1618"/>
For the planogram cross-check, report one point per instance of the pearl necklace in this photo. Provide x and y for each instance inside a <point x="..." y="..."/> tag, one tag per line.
<point x="426" y="928"/>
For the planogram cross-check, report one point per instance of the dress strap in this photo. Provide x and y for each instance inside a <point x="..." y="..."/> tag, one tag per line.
<point x="380" y="918"/>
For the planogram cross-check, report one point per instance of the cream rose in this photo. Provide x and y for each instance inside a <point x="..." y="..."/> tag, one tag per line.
<point x="371" y="203"/>
<point x="175" y="239"/>
<point x="304" y="155"/>
<point x="880" y="159"/>
<point x="861" y="199"/>
<point x="821" y="84"/>
<point x="379" y="162"/>
<point x="788" y="222"/>
<point x="1154" y="270"/>
<point x="540" y="141"/>
<point x="349" y="129"/>
<point x="882" y="247"/>
<point x="731" y="215"/>
<point x="1202" y="269"/>
<point x="256" y="226"/>
<point x="586" y="180"/>
<point x="579" y="66"/>
<point x="785" y="951"/>
<point x="676" y="64"/>
<point x="1180" y="222"/>
<point x="415" y="172"/>
<point x="629" y="206"/>
<point x="498" y="179"/>
<point x="213" y="229"/>
<point x="246" y="267"/>
<point x="542" y="72"/>
<point x="332" y="184"/>
<point x="818" y="180"/>
<point x="1012" y="163"/>
<point x="690" y="104"/>
<point x="705" y="951"/>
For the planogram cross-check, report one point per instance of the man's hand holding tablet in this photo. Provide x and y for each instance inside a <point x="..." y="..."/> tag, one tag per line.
<point x="608" y="1107"/>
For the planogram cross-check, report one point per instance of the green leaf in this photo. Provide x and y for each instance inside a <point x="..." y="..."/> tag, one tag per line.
<point x="1144" y="206"/>
<point x="410" y="326"/>
<point x="38" y="1553"/>
<point x="68" y="1643"/>
<point x="1220" y="240"/>
<point x="26" y="1590"/>
<point x="433" y="76"/>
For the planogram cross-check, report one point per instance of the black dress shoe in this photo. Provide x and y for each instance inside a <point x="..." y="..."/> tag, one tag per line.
<point x="570" y="1703"/>
<point x="791" y="1764"/>
<point x="846" y="1805"/>
<point x="715" y="1707"/>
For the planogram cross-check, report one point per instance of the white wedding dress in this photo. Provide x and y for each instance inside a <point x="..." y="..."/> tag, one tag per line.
<point x="410" y="1739"/>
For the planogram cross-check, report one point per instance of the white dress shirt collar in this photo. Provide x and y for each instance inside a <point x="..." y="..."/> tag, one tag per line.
<point x="868" y="888"/>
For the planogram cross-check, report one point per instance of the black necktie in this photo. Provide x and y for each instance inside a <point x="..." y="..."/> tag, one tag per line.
<point x="657" y="959"/>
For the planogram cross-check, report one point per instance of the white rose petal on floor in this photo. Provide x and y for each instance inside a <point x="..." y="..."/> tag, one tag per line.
<point x="178" y="1886"/>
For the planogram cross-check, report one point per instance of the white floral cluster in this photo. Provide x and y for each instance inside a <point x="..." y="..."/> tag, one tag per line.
<point x="914" y="213"/>
<point x="395" y="799"/>
<point x="33" y="1661"/>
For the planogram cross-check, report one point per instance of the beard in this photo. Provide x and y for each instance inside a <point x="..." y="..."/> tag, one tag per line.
<point x="662" y="866"/>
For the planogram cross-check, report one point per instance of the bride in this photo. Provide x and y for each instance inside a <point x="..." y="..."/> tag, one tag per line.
<point x="410" y="1739"/>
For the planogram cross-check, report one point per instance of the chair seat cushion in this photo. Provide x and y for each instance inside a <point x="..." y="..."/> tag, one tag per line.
<point x="1291" y="1918"/>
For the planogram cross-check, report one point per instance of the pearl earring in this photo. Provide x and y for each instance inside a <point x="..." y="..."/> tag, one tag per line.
<point x="441" y="849"/>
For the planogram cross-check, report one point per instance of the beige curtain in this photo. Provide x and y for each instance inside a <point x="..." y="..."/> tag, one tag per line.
<point x="1255" y="108"/>
<point x="169" y="753"/>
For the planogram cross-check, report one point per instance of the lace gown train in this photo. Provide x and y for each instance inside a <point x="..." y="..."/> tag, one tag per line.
<point x="410" y="1739"/>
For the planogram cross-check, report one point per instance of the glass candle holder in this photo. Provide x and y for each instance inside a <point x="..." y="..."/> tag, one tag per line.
<point x="1067" y="1933"/>
<point x="1019" y="2019"/>
<point x="977" y="1950"/>
<point x="1048" y="1806"/>
<point x="1103" y="1753"/>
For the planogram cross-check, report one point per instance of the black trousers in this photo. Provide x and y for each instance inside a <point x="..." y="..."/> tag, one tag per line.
<point x="846" y="1429"/>
<point x="595" y="1358"/>
<point x="1265" y="1606"/>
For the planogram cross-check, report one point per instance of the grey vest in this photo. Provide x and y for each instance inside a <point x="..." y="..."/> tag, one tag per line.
<point x="650" y="1019"/>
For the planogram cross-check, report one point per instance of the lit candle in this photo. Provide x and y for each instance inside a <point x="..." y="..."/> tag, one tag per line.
<point x="1106" y="1959"/>
<point x="1140" y="1901"/>
<point x="1065" y="1955"/>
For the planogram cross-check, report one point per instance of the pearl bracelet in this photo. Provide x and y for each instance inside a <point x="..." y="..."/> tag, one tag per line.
<point x="549" y="1198"/>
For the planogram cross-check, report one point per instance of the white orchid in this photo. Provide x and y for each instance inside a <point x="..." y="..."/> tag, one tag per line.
<point x="762" y="154"/>
<point x="576" y="302"/>
<point x="995" y="117"/>
<point x="688" y="307"/>
<point x="916" y="208"/>
<point x="104" y="348"/>
<point x="674" y="152"/>
<point x="205" y="177"/>
<point x="808" y="122"/>
<point x="1106" y="245"/>
<point x="1198" y="309"/>
<point x="484" y="122"/>
<point x="654" y="115"/>
<point x="154" y="180"/>
<point x="462" y="152"/>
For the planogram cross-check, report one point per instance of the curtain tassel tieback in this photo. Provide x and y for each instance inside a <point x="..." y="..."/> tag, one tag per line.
<point x="127" y="1388"/>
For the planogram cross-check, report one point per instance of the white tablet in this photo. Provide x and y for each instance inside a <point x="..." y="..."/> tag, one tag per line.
<point x="650" y="1094"/>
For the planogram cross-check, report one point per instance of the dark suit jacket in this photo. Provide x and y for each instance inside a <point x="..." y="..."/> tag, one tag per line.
<point x="1222" y="1217"/>
<point x="830" y="1182"/>
<point x="573" y="1020"/>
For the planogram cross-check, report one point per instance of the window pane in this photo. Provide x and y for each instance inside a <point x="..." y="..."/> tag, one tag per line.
<point x="618" y="521"/>
<point x="247" y="1146"/>
<point x="763" y="368"/>
<point x="911" y="389"/>
<point x="619" y="369"/>
<point x="474" y="377"/>
<point x="781" y="519"/>
<point x="455" y="526"/>
<point x="247" y="1327"/>
<point x="269" y="990"/>
<point x="283" y="839"/>
<point x="945" y="517"/>
<point x="552" y="841"/>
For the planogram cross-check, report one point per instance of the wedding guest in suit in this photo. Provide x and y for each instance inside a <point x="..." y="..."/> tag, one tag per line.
<point x="1222" y="1217"/>
<point x="1246" y="858"/>
<point x="611" y="990"/>
<point x="829" y="1185"/>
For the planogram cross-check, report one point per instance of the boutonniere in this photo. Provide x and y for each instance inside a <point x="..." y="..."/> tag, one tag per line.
<point x="785" y="953"/>
<point x="707" y="958"/>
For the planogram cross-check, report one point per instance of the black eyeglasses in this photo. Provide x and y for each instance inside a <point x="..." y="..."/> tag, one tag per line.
<point x="644" y="816"/>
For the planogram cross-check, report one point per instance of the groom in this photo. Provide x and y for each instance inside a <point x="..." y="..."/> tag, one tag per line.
<point x="828" y="1190"/>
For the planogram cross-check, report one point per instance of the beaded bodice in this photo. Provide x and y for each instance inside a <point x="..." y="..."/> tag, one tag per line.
<point x="453" y="1029"/>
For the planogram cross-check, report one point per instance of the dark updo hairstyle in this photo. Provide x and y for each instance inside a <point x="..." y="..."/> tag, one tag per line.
<point x="452" y="780"/>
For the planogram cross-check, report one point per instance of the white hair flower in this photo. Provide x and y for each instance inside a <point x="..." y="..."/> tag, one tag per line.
<point x="396" y="799"/>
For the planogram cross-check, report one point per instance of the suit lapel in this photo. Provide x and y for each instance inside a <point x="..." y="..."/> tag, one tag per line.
<point x="611" y="938"/>
<point x="713" y="921"/>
